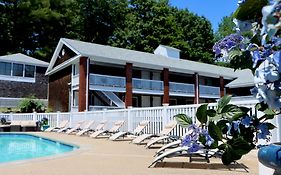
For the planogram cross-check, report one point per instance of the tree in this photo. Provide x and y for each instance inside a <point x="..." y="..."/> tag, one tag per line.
<point x="226" y="27"/>
<point x="33" y="27"/>
<point x="153" y="22"/>
<point x="96" y="20"/>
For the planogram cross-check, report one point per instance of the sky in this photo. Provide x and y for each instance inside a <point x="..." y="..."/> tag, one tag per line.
<point x="213" y="10"/>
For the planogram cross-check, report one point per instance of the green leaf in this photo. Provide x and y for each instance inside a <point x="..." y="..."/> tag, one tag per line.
<point x="211" y="113"/>
<point x="234" y="54"/>
<point x="222" y="125"/>
<point x="261" y="106"/>
<point x="227" y="156"/>
<point x="214" y="131"/>
<point x="266" y="117"/>
<point x="183" y="120"/>
<point x="270" y="126"/>
<point x="223" y="102"/>
<point x="269" y="112"/>
<point x="201" y="113"/>
<point x="249" y="10"/>
<point x="241" y="146"/>
<point x="232" y="111"/>
<point x="222" y="146"/>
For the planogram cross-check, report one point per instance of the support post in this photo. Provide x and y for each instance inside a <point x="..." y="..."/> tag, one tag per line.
<point x="166" y="97"/>
<point x="196" y="88"/>
<point x="129" y="85"/>
<point x="222" y="92"/>
<point x="82" y="84"/>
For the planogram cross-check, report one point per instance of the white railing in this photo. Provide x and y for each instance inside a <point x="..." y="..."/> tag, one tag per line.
<point x="107" y="80"/>
<point x="143" y="84"/>
<point x="158" y="116"/>
<point x="182" y="88"/>
<point x="208" y="91"/>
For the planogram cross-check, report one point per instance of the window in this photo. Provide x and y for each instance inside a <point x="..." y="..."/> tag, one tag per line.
<point x="5" y="68"/>
<point x="18" y="70"/>
<point x="29" y="71"/>
<point x="76" y="69"/>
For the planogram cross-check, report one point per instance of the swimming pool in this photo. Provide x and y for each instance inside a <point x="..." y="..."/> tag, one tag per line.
<point x="24" y="146"/>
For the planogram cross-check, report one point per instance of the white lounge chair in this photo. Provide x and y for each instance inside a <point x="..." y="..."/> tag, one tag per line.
<point x="183" y="151"/>
<point x="138" y="130"/>
<point x="86" y="128"/>
<point x="62" y="124"/>
<point x="75" y="128"/>
<point x="170" y="145"/>
<point x="67" y="128"/>
<point x="162" y="135"/>
<point x="117" y="125"/>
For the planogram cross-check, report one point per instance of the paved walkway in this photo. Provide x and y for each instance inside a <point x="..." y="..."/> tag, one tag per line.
<point x="104" y="157"/>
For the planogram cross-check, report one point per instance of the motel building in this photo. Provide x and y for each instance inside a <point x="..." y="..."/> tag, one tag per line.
<point x="85" y="76"/>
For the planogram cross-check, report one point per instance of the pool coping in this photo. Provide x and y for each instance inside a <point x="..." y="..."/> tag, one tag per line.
<point x="79" y="149"/>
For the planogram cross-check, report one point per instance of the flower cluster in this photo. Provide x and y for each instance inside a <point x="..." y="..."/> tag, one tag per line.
<point x="266" y="54"/>
<point x="226" y="44"/>
<point x="191" y="140"/>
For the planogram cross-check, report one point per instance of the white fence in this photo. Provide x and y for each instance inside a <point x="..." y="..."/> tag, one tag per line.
<point x="158" y="116"/>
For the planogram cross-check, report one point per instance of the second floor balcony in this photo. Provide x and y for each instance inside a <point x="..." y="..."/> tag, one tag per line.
<point x="145" y="86"/>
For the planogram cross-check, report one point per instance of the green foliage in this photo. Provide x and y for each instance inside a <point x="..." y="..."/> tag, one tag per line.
<point x="183" y="120"/>
<point x="35" y="27"/>
<point x="151" y="22"/>
<point x="31" y="104"/>
<point x="225" y="28"/>
<point x="233" y="135"/>
<point x="250" y="10"/>
<point x="201" y="113"/>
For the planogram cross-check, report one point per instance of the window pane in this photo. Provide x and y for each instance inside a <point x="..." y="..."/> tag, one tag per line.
<point x="29" y="71"/>
<point x="5" y="68"/>
<point x="18" y="70"/>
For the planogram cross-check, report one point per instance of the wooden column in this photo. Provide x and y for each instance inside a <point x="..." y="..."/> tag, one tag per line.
<point x="82" y="84"/>
<point x="196" y="88"/>
<point x="166" y="97"/>
<point x="129" y="85"/>
<point x="221" y="87"/>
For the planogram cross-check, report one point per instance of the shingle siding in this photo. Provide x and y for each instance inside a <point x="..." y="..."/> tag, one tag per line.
<point x="58" y="99"/>
<point x="14" y="89"/>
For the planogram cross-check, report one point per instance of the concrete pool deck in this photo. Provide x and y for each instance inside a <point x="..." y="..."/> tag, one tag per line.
<point x="104" y="157"/>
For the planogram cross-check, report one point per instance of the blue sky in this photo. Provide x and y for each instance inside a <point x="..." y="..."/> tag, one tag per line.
<point x="213" y="10"/>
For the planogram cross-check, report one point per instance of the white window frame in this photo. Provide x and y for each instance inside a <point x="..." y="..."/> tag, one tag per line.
<point x="18" y="78"/>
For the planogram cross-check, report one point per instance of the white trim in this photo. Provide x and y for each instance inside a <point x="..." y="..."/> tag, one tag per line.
<point x="54" y="57"/>
<point x="17" y="79"/>
<point x="87" y="85"/>
<point x="63" y="65"/>
<point x="56" y="53"/>
<point x="70" y="47"/>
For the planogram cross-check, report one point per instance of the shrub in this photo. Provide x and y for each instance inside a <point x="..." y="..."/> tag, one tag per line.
<point x="31" y="104"/>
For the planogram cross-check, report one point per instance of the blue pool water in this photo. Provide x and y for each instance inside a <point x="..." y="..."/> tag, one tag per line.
<point x="23" y="146"/>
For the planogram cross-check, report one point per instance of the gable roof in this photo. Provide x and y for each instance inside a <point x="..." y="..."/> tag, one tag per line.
<point x="23" y="59"/>
<point x="245" y="78"/>
<point x="115" y="55"/>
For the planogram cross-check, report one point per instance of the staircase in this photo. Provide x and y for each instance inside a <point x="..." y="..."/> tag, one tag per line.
<point x="111" y="98"/>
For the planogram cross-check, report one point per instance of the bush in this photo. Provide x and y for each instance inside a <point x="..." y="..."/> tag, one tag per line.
<point x="31" y="104"/>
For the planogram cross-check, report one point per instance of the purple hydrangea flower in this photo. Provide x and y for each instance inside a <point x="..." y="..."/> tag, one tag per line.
<point x="194" y="148"/>
<point x="264" y="132"/>
<point x="209" y="140"/>
<point x="186" y="141"/>
<point x="227" y="43"/>
<point x="246" y="121"/>
<point x="236" y="125"/>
